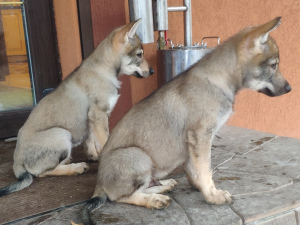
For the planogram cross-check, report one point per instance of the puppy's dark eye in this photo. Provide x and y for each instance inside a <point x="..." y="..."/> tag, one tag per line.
<point x="139" y="55"/>
<point x="273" y="66"/>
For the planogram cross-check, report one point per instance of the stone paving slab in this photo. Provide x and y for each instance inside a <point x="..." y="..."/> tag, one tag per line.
<point x="123" y="214"/>
<point x="261" y="170"/>
<point x="282" y="150"/>
<point x="246" y="183"/>
<point x="257" y="206"/>
<point x="240" y="140"/>
<point x="219" y="157"/>
<point x="281" y="219"/>
<point x="280" y="157"/>
<point x="297" y="212"/>
<point x="197" y="210"/>
<point x="246" y="163"/>
<point x="59" y="217"/>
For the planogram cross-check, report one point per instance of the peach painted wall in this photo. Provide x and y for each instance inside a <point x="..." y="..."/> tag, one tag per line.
<point x="224" y="19"/>
<point x="68" y="37"/>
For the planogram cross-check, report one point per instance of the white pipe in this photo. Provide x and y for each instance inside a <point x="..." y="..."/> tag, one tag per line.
<point x="188" y="23"/>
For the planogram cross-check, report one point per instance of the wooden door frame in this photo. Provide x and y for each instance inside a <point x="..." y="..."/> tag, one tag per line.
<point x="85" y="27"/>
<point x="44" y="56"/>
<point x="4" y="70"/>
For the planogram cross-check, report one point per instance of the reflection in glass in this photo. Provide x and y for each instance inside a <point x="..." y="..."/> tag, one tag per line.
<point x="15" y="83"/>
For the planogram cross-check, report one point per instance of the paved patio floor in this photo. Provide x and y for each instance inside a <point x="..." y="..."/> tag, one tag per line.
<point x="261" y="170"/>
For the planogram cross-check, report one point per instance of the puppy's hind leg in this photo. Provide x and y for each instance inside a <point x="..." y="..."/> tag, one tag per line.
<point x="163" y="186"/>
<point x="127" y="178"/>
<point x="49" y="156"/>
<point x="150" y="197"/>
<point x="71" y="169"/>
<point x="150" y="201"/>
<point x="66" y="161"/>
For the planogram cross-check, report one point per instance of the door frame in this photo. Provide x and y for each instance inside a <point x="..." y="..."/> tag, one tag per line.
<point x="42" y="50"/>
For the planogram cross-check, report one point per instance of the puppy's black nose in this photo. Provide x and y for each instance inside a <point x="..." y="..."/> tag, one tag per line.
<point x="287" y="88"/>
<point x="151" y="71"/>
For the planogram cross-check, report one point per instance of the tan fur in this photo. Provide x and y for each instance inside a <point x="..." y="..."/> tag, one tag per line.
<point x="79" y="108"/>
<point x="176" y="124"/>
<point x="150" y="201"/>
<point x="151" y="197"/>
<point x="69" y="170"/>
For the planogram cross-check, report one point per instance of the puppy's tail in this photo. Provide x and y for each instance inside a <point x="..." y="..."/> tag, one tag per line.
<point x="23" y="181"/>
<point x="92" y="204"/>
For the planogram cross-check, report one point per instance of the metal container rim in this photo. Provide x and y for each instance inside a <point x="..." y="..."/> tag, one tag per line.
<point x="185" y="48"/>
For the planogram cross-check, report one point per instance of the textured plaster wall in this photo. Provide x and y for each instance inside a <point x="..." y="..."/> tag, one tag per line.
<point x="252" y="110"/>
<point x="68" y="37"/>
<point x="224" y="19"/>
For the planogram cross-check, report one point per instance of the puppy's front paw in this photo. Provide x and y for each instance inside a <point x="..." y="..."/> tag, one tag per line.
<point x="219" y="197"/>
<point x="157" y="201"/>
<point x="80" y="168"/>
<point x="170" y="183"/>
<point x="92" y="149"/>
<point x="92" y="157"/>
<point x="68" y="160"/>
<point x="91" y="152"/>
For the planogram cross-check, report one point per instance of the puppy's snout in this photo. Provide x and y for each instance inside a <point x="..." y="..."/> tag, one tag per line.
<point x="151" y="71"/>
<point x="287" y="88"/>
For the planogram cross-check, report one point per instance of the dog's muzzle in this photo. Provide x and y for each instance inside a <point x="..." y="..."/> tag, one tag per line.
<point x="286" y="89"/>
<point x="151" y="71"/>
<point x="267" y="91"/>
<point x="138" y="75"/>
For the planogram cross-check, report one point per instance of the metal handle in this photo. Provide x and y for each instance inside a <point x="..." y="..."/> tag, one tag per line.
<point x="208" y="38"/>
<point x="171" y="43"/>
<point x="177" y="8"/>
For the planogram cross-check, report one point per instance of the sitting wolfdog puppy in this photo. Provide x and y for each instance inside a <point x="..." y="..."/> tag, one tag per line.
<point x="176" y="124"/>
<point x="77" y="110"/>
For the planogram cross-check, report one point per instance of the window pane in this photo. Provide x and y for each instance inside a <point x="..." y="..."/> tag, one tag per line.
<point x="15" y="79"/>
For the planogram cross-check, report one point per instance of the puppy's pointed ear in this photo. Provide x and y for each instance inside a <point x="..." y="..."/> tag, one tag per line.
<point x="134" y="27"/>
<point x="259" y="35"/>
<point x="126" y="32"/>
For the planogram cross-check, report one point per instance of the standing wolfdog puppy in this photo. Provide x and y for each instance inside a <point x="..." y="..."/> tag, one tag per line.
<point x="177" y="123"/>
<point x="77" y="110"/>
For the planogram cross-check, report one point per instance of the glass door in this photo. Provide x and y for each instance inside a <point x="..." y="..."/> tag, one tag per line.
<point x="16" y="86"/>
<point x="29" y="59"/>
